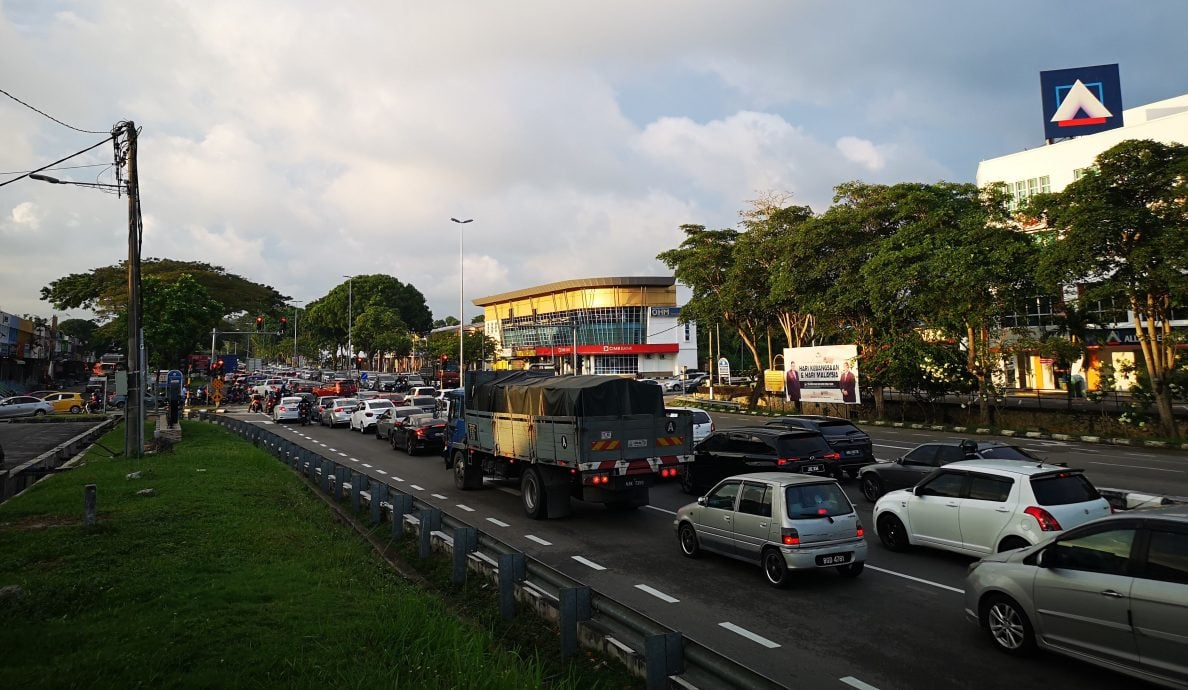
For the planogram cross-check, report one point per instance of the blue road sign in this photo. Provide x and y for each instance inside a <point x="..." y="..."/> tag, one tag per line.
<point x="363" y="376"/>
<point x="174" y="376"/>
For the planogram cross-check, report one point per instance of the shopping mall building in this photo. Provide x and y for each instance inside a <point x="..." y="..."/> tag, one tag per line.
<point x="1051" y="168"/>
<point x="625" y="326"/>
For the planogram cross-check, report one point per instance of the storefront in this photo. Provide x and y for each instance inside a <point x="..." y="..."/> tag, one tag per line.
<point x="620" y="326"/>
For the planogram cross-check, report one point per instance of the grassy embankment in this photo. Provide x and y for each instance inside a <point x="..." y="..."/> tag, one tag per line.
<point x="234" y="574"/>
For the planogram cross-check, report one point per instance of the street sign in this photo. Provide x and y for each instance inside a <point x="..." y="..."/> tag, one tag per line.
<point x="723" y="370"/>
<point x="363" y="377"/>
<point x="174" y="376"/>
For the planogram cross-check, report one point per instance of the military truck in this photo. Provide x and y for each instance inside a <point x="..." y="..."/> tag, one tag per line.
<point x="600" y="439"/>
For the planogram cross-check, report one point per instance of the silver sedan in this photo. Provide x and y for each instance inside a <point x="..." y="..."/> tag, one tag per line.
<point x="24" y="406"/>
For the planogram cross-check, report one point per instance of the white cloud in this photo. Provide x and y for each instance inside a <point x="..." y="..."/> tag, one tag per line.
<point x="26" y="216"/>
<point x="862" y="152"/>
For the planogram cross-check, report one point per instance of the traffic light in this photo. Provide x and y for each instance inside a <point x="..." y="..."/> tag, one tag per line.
<point x="284" y="326"/>
<point x="444" y="359"/>
<point x="259" y="323"/>
<point x="358" y="362"/>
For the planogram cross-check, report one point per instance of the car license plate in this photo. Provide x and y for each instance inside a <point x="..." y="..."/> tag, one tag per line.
<point x="856" y="451"/>
<point x="834" y="559"/>
<point x="812" y="468"/>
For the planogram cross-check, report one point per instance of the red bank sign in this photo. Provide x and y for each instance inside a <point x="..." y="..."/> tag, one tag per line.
<point x="654" y="348"/>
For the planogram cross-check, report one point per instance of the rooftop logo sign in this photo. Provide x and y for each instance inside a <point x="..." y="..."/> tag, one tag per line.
<point x="1082" y="100"/>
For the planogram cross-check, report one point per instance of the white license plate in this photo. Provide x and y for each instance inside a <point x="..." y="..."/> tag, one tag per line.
<point x="833" y="559"/>
<point x="853" y="452"/>
<point x="813" y="468"/>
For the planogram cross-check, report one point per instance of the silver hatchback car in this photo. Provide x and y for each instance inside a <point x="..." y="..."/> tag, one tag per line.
<point x="781" y="521"/>
<point x="1113" y="592"/>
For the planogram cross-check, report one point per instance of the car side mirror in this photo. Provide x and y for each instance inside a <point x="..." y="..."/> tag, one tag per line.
<point x="701" y="500"/>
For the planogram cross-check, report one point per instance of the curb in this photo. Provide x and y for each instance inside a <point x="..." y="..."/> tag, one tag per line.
<point x="1121" y="499"/>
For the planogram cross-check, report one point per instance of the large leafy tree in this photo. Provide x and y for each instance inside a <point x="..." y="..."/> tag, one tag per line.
<point x="178" y="314"/>
<point x="335" y="317"/>
<point x="105" y="290"/>
<point x="1122" y="230"/>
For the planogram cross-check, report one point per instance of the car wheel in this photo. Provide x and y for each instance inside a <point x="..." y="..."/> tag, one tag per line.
<point x="39" y="413"/>
<point x="409" y="447"/>
<point x="75" y="409"/>
<point x="775" y="568"/>
<point x="377" y="433"/>
<point x="1012" y="543"/>
<point x="852" y="474"/>
<point x="851" y="569"/>
<point x="532" y="494"/>
<point x="892" y="532"/>
<point x="1008" y="625"/>
<point x="687" y="483"/>
<point x="392" y="440"/>
<point x="688" y="539"/>
<point x="872" y="486"/>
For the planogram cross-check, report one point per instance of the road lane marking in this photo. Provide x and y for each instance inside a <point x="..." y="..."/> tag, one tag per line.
<point x="397" y="478"/>
<point x="367" y="466"/>
<point x="916" y="579"/>
<point x="662" y="510"/>
<point x="538" y="540"/>
<point x="855" y="683"/>
<point x="1140" y="455"/>
<point x="466" y="508"/>
<point x="588" y="562"/>
<point x="500" y="523"/>
<point x="381" y="471"/>
<point x="414" y="486"/>
<point x="507" y="490"/>
<point x="1133" y="467"/>
<point x="433" y="495"/>
<point x="885" y="445"/>
<point x="340" y="453"/>
<point x="332" y="450"/>
<point x="354" y="460"/>
<point x="749" y="635"/>
<point x="321" y="444"/>
<point x="658" y="594"/>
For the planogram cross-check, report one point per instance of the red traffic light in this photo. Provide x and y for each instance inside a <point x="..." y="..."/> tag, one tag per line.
<point x="284" y="322"/>
<point x="259" y="322"/>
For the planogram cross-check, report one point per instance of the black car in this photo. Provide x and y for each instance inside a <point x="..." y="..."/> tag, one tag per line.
<point x="756" y="449"/>
<point x="853" y="444"/>
<point x="386" y="421"/>
<point x="419" y="432"/>
<point x="920" y="461"/>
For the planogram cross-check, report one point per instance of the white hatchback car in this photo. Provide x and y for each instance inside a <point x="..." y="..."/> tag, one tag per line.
<point x="286" y="409"/>
<point x="702" y="424"/>
<point x="367" y="412"/>
<point x="979" y="507"/>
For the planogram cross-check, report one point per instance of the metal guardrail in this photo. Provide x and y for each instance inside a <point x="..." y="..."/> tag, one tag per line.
<point x="667" y="658"/>
<point x="21" y="477"/>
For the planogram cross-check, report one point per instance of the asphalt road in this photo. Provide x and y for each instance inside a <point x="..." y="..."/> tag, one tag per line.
<point x="899" y="625"/>
<point x="23" y="442"/>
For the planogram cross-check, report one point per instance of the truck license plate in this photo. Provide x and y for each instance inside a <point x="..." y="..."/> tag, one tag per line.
<point x="633" y="482"/>
<point x="834" y="559"/>
<point x="812" y="468"/>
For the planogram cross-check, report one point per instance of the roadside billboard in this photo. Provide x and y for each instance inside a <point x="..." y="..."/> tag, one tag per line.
<point x="1082" y="100"/>
<point x="826" y="374"/>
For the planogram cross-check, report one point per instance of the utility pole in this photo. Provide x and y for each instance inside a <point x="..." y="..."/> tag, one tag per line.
<point x="134" y="404"/>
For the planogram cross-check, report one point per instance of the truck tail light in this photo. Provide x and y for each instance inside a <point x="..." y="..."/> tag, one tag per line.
<point x="1047" y="523"/>
<point x="790" y="537"/>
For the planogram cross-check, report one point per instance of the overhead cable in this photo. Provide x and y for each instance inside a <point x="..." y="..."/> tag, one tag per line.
<point x="42" y="112"/>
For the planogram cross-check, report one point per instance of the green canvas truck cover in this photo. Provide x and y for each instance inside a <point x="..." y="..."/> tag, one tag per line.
<point x="529" y="393"/>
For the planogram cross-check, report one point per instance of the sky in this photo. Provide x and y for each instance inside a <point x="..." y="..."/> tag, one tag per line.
<point x="295" y="142"/>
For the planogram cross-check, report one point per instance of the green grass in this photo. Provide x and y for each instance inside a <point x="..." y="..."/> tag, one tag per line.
<point x="235" y="575"/>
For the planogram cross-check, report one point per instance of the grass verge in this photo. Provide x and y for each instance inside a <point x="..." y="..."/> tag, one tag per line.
<point x="233" y="574"/>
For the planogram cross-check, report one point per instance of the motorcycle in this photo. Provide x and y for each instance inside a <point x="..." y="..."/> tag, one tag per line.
<point x="269" y="405"/>
<point x="257" y="404"/>
<point x="303" y="415"/>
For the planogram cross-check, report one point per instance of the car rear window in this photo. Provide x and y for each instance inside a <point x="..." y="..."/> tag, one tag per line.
<point x="700" y="417"/>
<point x="838" y="428"/>
<point x="381" y="404"/>
<point x="1063" y="489"/>
<point x="802" y="446"/>
<point x="816" y="501"/>
<point x="1006" y="453"/>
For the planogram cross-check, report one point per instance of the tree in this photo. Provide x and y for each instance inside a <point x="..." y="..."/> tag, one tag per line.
<point x="105" y="290"/>
<point x="1123" y="230"/>
<point x="84" y="330"/>
<point x="327" y="317"/>
<point x="379" y="330"/>
<point x="178" y="314"/>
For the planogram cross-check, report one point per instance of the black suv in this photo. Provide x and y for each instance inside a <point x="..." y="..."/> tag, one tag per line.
<point x="920" y="461"/>
<point x="756" y="449"/>
<point x="849" y="441"/>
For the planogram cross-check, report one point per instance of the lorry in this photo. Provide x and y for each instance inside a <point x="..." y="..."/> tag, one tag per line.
<point x="600" y="439"/>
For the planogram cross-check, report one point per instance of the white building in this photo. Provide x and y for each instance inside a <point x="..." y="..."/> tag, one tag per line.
<point x="1053" y="167"/>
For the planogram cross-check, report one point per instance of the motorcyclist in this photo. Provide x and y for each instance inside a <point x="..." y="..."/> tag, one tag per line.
<point x="303" y="410"/>
<point x="257" y="404"/>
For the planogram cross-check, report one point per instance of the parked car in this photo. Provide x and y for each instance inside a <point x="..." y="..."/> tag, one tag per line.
<point x="339" y="412"/>
<point x="687" y="385"/>
<point x="384" y="423"/>
<point x="979" y="507"/>
<point x="781" y="521"/>
<point x="418" y="432"/>
<point x="74" y="403"/>
<point x="366" y="411"/>
<point x="285" y="409"/>
<point x="1112" y="592"/>
<point x="755" y="449"/>
<point x="922" y="460"/>
<point x="24" y="406"/>
<point x="320" y="406"/>
<point x="852" y="444"/>
<point x="703" y="426"/>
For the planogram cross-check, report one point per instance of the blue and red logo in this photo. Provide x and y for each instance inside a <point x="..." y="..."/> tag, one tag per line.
<point x="1082" y="100"/>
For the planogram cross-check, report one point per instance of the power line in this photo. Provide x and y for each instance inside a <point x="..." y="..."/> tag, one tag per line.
<point x="46" y="167"/>
<point x="60" y="167"/>
<point x="42" y="112"/>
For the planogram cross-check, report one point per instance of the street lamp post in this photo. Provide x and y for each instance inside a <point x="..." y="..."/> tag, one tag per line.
<point x="461" y="299"/>
<point x="350" y="317"/>
<point x="295" y="310"/>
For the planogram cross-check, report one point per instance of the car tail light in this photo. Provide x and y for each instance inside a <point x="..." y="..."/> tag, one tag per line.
<point x="713" y="426"/>
<point x="283" y="408"/>
<point x="338" y="409"/>
<point x="831" y="456"/>
<point x="1047" y="523"/>
<point x="861" y="532"/>
<point x="420" y="433"/>
<point x="790" y="537"/>
<point x="786" y="461"/>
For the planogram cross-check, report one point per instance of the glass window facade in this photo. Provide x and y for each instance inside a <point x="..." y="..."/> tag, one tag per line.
<point x="596" y="326"/>
<point x="616" y="364"/>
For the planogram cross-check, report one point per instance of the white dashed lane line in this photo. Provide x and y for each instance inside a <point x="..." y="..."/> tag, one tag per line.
<point x="663" y="510"/>
<point x="538" y="540"/>
<point x="381" y="471"/>
<point x="333" y="450"/>
<point x="588" y="562"/>
<point x="414" y="486"/>
<point x="658" y="594"/>
<point x="321" y="444"/>
<point x="397" y="478"/>
<point x="438" y="496"/>
<point x="354" y="460"/>
<point x="1134" y="467"/>
<point x="340" y="453"/>
<point x="915" y="579"/>
<point x="497" y="523"/>
<point x="749" y="635"/>
<point x="855" y="683"/>
<point x="367" y="466"/>
<point x="466" y="508"/>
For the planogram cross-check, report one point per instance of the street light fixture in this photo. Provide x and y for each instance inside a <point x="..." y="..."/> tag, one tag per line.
<point x="295" y="310"/>
<point x="350" y="316"/>
<point x="461" y="299"/>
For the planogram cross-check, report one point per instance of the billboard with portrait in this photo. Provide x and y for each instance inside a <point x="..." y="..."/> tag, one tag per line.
<point x="825" y="374"/>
